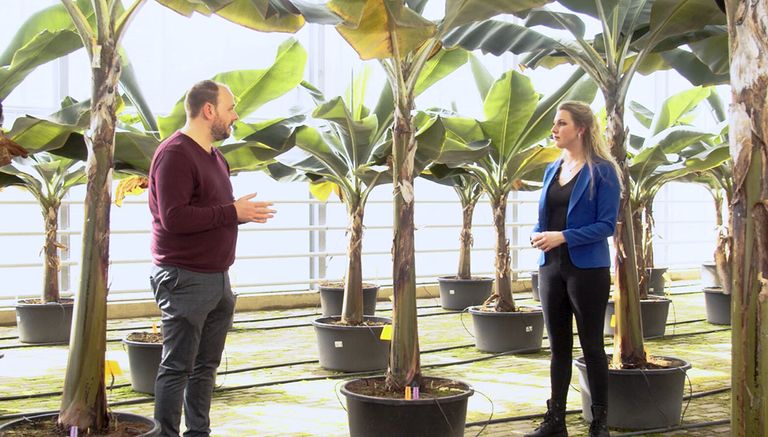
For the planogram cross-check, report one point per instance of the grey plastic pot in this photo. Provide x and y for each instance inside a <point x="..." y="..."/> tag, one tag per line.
<point x="457" y="294"/>
<point x="332" y="300"/>
<point x="44" y="323"/>
<point x="654" y="313"/>
<point x="144" y="361"/>
<point x="639" y="399"/>
<point x="126" y="417"/>
<point x="351" y="348"/>
<point x="709" y="276"/>
<point x="656" y="280"/>
<point x="718" y="306"/>
<point x="371" y="416"/>
<point x="520" y="332"/>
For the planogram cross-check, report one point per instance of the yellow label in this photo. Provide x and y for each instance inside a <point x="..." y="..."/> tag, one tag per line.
<point x="613" y="320"/>
<point x="112" y="368"/>
<point x="386" y="333"/>
<point x="154" y="328"/>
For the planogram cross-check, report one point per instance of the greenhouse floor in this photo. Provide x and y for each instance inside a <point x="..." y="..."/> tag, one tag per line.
<point x="271" y="385"/>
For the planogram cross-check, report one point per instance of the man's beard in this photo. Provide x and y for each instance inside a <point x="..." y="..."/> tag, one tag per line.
<point x="219" y="130"/>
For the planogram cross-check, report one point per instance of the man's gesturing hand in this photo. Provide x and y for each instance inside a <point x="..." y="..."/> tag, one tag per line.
<point x="257" y="212"/>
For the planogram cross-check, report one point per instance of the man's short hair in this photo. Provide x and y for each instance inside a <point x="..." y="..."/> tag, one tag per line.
<point x="205" y="91"/>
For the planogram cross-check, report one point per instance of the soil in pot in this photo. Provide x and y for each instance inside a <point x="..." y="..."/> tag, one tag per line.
<point x="122" y="425"/>
<point x="431" y="388"/>
<point x="145" y="337"/>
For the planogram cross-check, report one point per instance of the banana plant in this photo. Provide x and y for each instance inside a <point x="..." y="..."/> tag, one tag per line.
<point x="718" y="180"/>
<point x="517" y="121"/>
<point x="351" y="149"/>
<point x="660" y="157"/>
<point x="397" y="34"/>
<point x="637" y="36"/>
<point x="48" y="177"/>
<point x="469" y="191"/>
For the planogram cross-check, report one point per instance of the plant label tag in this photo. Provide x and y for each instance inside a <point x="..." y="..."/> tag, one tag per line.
<point x="451" y="291"/>
<point x="529" y="329"/>
<point x="613" y="320"/>
<point x="154" y="328"/>
<point x="338" y="343"/>
<point x="112" y="368"/>
<point x="651" y="289"/>
<point x="386" y="333"/>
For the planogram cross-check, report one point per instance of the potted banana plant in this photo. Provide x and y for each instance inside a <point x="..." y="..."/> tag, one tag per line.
<point x="656" y="157"/>
<point x="716" y="277"/>
<point x="461" y="290"/>
<point x="403" y="40"/>
<point x="518" y="121"/>
<point x="346" y="151"/>
<point x="643" y="38"/>
<point x="48" y="178"/>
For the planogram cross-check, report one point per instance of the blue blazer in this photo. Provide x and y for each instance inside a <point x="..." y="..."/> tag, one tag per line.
<point x="592" y="213"/>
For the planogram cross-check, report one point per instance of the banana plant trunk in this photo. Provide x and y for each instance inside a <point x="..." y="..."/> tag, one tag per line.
<point x="466" y="241"/>
<point x="52" y="261"/>
<point x="628" y="336"/>
<point x="505" y="302"/>
<point x="749" y="149"/>
<point x="724" y="247"/>
<point x="352" y="307"/>
<point x="639" y="227"/>
<point x="84" y="402"/>
<point x="404" y="364"/>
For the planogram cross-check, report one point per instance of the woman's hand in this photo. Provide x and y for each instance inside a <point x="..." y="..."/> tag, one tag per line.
<point x="547" y="241"/>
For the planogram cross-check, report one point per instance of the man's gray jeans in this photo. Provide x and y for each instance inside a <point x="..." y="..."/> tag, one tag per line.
<point x="197" y="312"/>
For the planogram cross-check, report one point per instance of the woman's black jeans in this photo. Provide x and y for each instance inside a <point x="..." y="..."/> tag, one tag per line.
<point x="568" y="291"/>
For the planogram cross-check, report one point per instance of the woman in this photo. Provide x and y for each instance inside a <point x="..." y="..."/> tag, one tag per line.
<point x="577" y="213"/>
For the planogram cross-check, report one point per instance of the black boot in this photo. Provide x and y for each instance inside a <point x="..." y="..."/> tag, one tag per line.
<point x="599" y="425"/>
<point x="554" y="422"/>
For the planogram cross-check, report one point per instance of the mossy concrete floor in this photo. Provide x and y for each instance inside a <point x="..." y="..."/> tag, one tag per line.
<point x="302" y="399"/>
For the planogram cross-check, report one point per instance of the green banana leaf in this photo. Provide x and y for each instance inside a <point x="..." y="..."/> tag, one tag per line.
<point x="268" y="140"/>
<point x="261" y="15"/>
<point x="252" y="88"/>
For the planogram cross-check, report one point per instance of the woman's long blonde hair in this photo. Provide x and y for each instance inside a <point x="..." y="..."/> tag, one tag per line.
<point x="594" y="145"/>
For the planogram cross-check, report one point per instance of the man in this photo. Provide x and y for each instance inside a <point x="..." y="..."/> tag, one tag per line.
<point x="194" y="232"/>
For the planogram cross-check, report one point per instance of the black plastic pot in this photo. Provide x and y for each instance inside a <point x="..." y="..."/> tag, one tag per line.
<point x="457" y="294"/>
<point x="351" y="348"/>
<point x="656" y="281"/>
<point x="535" y="286"/>
<point x="718" y="306"/>
<point x="639" y="399"/>
<point x="129" y="417"/>
<point x="371" y="416"/>
<point x="44" y="322"/>
<point x="144" y="361"/>
<point x="709" y="276"/>
<point x="654" y="314"/>
<point x="332" y="299"/>
<point x="520" y="332"/>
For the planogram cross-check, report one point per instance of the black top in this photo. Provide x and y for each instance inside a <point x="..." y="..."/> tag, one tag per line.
<point x="558" y="197"/>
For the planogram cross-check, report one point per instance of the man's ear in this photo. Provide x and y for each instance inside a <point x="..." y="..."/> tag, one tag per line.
<point x="208" y="110"/>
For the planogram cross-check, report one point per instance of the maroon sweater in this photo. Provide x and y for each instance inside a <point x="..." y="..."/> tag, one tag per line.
<point x="194" y="222"/>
